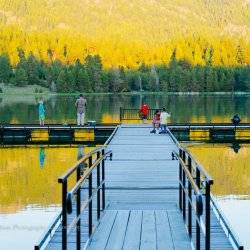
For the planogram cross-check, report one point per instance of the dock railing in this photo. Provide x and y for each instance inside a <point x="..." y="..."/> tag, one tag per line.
<point x="195" y="196"/>
<point x="68" y="196"/>
<point x="134" y="114"/>
<point x="194" y="184"/>
<point x="100" y="155"/>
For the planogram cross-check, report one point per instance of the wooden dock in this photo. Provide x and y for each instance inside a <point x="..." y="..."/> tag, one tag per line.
<point x="142" y="189"/>
<point x="25" y="134"/>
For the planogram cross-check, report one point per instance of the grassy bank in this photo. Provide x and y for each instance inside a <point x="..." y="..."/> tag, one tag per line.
<point x="27" y="90"/>
<point x="37" y="90"/>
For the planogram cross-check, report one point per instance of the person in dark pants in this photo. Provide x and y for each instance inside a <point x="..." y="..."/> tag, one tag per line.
<point x="81" y="104"/>
<point x="163" y="121"/>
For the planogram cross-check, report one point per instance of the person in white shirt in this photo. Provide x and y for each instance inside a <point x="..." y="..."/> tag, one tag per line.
<point x="163" y="121"/>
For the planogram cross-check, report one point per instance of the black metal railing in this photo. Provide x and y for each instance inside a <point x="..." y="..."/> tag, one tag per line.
<point x="134" y="114"/>
<point x="95" y="161"/>
<point x="67" y="195"/>
<point x="61" y="218"/>
<point x="195" y="195"/>
<point x="194" y="184"/>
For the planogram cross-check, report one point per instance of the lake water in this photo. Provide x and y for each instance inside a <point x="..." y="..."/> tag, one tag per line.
<point x="231" y="173"/>
<point x="105" y="108"/>
<point x="30" y="195"/>
<point x="28" y="174"/>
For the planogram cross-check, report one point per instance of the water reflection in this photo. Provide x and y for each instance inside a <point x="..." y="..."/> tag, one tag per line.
<point x="231" y="205"/>
<point x="30" y="194"/>
<point x="42" y="156"/>
<point x="228" y="164"/>
<point x="24" y="179"/>
<point x="236" y="147"/>
<point x="80" y="154"/>
<point x="105" y="108"/>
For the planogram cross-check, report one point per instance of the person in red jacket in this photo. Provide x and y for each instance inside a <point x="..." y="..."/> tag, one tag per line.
<point x="144" y="112"/>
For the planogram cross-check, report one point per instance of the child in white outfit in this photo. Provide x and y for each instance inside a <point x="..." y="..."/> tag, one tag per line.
<point x="163" y="121"/>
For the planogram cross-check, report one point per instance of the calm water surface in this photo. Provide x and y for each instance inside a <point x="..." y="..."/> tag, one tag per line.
<point x="105" y="108"/>
<point x="30" y="195"/>
<point x="28" y="175"/>
<point x="231" y="173"/>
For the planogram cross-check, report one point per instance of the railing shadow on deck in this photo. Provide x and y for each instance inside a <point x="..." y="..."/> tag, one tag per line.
<point x="195" y="184"/>
<point x="95" y="161"/>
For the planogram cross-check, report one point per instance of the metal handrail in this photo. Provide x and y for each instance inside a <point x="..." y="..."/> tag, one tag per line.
<point x="67" y="196"/>
<point x="193" y="164"/>
<point x="89" y="171"/>
<point x="208" y="178"/>
<point x="64" y="177"/>
<point x="82" y="160"/>
<point x="189" y="175"/>
<point x="186" y="168"/>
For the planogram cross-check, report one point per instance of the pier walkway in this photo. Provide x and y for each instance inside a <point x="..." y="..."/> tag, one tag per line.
<point x="142" y="205"/>
<point x="142" y="192"/>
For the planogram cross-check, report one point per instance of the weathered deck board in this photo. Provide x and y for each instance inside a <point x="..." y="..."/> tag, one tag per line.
<point x="142" y="196"/>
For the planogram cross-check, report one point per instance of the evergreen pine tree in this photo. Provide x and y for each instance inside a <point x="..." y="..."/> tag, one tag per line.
<point x="5" y="69"/>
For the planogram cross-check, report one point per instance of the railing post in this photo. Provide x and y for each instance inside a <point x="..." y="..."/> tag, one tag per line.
<point x="180" y="181"/>
<point x="98" y="188"/>
<point x="64" y="214"/>
<point x="184" y="187"/>
<point x="78" y="211"/>
<point x="207" y="216"/>
<point x="90" y="197"/>
<point x="103" y="181"/>
<point x="120" y="114"/>
<point x="198" y="234"/>
<point x="190" y="199"/>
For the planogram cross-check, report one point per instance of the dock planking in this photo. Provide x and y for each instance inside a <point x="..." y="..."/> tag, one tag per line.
<point x="141" y="196"/>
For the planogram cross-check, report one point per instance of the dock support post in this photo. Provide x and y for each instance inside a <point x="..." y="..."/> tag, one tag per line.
<point x="98" y="188"/>
<point x="64" y="215"/>
<point x="90" y="194"/>
<point x="120" y="114"/>
<point x="198" y="233"/>
<point x="180" y="181"/>
<point x="78" y="211"/>
<point x="207" y="216"/>
<point x="103" y="182"/>
<point x="184" y="187"/>
<point x="190" y="199"/>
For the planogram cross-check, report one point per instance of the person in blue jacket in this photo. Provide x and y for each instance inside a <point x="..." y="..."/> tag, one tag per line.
<point x="41" y="112"/>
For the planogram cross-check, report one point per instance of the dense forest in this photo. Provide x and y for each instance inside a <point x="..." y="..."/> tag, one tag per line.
<point x="90" y="76"/>
<point x="121" y="46"/>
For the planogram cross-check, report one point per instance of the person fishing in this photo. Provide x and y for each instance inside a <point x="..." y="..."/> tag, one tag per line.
<point x="143" y="112"/>
<point x="41" y="112"/>
<point x="80" y="104"/>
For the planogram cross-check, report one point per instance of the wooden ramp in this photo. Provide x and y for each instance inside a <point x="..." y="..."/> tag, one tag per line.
<point x="141" y="197"/>
<point x="142" y="194"/>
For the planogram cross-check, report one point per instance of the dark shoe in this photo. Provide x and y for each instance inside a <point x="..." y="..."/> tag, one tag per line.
<point x="153" y="131"/>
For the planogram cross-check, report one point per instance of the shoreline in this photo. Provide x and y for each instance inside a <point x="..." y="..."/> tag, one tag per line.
<point x="128" y="93"/>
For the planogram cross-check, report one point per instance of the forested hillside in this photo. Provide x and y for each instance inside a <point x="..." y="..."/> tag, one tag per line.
<point x="127" y="32"/>
<point x="192" y="39"/>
